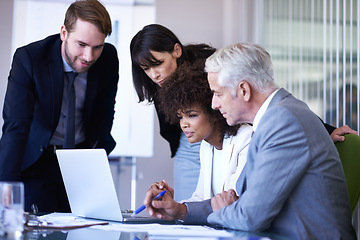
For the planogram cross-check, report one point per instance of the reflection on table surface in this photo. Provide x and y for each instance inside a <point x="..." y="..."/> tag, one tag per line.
<point x="95" y="234"/>
<point x="82" y="233"/>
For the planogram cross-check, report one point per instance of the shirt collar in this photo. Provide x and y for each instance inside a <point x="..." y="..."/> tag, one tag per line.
<point x="67" y="67"/>
<point x="260" y="113"/>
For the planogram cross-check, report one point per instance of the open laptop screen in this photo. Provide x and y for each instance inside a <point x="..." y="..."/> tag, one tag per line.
<point x="89" y="184"/>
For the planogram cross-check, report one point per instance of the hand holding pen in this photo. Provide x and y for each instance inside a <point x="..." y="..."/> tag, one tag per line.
<point x="163" y="185"/>
<point x="140" y="209"/>
<point x="167" y="208"/>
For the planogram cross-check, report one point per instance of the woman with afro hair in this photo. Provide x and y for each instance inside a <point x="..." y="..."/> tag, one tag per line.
<point x="186" y="100"/>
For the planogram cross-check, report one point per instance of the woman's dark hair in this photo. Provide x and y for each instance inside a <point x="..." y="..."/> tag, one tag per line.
<point x="155" y="37"/>
<point x="188" y="87"/>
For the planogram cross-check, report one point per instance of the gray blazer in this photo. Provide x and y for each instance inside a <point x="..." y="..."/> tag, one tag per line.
<point x="293" y="184"/>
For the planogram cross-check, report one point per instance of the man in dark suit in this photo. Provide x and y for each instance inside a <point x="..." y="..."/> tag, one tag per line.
<point x="37" y="119"/>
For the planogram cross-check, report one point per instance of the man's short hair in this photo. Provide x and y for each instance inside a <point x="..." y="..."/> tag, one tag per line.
<point x="241" y="61"/>
<point x="89" y="11"/>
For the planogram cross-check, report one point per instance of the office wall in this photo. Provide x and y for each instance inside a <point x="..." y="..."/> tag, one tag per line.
<point x="192" y="21"/>
<point x="215" y="22"/>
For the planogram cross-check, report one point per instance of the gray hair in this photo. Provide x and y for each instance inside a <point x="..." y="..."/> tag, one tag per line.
<point x="238" y="62"/>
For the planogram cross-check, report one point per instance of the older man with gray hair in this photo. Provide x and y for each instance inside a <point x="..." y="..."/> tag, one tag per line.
<point x="293" y="183"/>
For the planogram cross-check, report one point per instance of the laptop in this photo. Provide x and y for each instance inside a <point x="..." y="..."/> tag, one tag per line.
<point x="90" y="187"/>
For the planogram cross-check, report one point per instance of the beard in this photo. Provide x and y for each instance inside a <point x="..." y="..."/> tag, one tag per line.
<point x="71" y="60"/>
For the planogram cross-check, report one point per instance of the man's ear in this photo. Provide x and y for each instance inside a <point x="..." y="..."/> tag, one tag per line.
<point x="244" y="90"/>
<point x="63" y="33"/>
<point x="177" y="50"/>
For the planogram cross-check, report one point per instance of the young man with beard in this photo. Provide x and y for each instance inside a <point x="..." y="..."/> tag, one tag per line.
<point x="38" y="118"/>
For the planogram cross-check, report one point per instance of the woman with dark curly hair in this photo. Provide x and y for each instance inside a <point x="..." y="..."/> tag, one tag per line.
<point x="186" y="100"/>
<point x="155" y="54"/>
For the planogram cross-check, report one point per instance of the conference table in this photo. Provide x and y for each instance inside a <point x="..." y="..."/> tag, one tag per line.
<point x="92" y="233"/>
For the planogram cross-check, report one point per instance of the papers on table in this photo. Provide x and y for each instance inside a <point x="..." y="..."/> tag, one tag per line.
<point x="167" y="230"/>
<point x="153" y="231"/>
<point x="96" y="229"/>
<point x="66" y="221"/>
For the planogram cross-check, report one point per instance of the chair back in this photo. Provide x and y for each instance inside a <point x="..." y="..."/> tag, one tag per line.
<point x="349" y="152"/>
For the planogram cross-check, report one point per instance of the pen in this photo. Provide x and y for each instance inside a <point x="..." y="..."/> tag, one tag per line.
<point x="144" y="206"/>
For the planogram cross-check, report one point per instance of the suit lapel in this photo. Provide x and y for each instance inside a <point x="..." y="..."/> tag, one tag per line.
<point x="55" y="80"/>
<point x="241" y="182"/>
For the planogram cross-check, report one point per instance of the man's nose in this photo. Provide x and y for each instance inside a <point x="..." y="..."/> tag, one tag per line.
<point x="88" y="54"/>
<point x="215" y="103"/>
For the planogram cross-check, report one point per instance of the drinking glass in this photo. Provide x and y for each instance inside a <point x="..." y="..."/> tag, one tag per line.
<point x="11" y="209"/>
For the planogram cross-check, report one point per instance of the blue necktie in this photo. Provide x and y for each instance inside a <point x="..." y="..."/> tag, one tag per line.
<point x="69" y="141"/>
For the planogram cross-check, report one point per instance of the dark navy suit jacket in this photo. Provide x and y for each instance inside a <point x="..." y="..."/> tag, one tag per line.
<point x="33" y="103"/>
